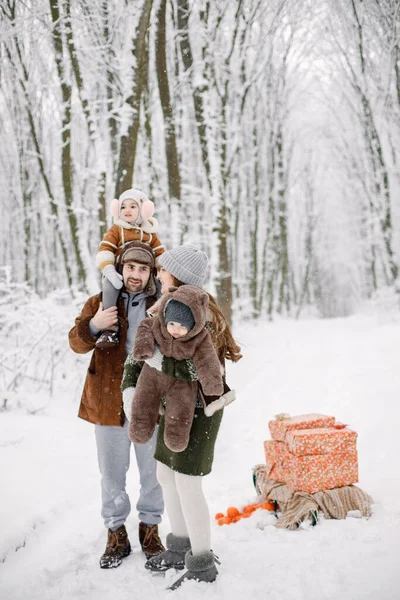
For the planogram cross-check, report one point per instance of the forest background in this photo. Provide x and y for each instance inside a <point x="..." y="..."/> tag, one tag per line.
<point x="266" y="132"/>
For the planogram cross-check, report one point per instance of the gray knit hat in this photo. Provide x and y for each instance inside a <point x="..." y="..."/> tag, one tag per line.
<point x="179" y="313"/>
<point x="186" y="263"/>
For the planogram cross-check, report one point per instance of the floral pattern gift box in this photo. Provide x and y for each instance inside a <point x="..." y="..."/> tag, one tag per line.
<point x="320" y="472"/>
<point x="280" y="426"/>
<point x="275" y="455"/>
<point x="305" y="442"/>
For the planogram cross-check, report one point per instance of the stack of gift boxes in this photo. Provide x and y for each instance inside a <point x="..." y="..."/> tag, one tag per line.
<point x="311" y="453"/>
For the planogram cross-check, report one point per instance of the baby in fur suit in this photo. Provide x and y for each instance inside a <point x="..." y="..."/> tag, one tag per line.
<point x="178" y="331"/>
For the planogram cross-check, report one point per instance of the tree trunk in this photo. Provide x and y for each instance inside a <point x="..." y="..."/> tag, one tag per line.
<point x="224" y="281"/>
<point x="374" y="146"/>
<point x="110" y="77"/>
<point x="284" y="290"/>
<point x="197" y="90"/>
<point x="73" y="56"/>
<point x="174" y="179"/>
<point x="66" y="160"/>
<point x="39" y="155"/>
<point x="129" y="141"/>
<point x="254" y="233"/>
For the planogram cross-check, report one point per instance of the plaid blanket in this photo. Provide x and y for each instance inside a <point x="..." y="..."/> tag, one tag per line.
<point x="295" y="507"/>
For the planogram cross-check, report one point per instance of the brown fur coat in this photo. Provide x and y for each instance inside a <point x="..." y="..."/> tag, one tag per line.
<point x="180" y="396"/>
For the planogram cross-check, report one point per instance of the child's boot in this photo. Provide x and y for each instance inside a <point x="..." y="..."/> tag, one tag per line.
<point x="173" y="557"/>
<point x="107" y="339"/>
<point x="200" y="567"/>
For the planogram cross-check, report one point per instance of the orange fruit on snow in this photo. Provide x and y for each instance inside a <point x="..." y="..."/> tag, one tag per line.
<point x="237" y="518"/>
<point x="224" y="521"/>
<point x="219" y="516"/>
<point x="249" y="508"/>
<point x="267" y="505"/>
<point x="232" y="512"/>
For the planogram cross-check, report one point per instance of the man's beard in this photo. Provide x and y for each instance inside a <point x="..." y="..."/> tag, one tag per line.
<point x="136" y="286"/>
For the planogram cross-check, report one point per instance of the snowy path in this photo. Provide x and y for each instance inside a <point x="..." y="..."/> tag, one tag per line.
<point x="52" y="535"/>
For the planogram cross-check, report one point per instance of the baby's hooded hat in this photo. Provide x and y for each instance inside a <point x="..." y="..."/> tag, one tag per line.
<point x="179" y="313"/>
<point x="186" y="297"/>
<point x="146" y="206"/>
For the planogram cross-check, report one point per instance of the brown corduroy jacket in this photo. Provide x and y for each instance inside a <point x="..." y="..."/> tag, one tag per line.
<point x="101" y="401"/>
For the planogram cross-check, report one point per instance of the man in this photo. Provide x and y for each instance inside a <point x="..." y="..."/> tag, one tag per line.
<point x="102" y="405"/>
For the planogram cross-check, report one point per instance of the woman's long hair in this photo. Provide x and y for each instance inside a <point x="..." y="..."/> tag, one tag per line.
<point x="221" y="335"/>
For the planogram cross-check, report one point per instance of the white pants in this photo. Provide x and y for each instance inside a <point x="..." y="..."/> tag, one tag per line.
<point x="186" y="507"/>
<point x="113" y="453"/>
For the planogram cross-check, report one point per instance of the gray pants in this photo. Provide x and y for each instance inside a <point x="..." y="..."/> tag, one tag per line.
<point x="110" y="294"/>
<point x="113" y="453"/>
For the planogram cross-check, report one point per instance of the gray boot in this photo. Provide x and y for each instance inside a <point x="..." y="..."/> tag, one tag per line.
<point x="172" y="558"/>
<point x="200" y="568"/>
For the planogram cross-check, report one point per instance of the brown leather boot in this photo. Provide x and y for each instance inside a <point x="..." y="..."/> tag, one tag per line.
<point x="150" y="540"/>
<point x="117" y="548"/>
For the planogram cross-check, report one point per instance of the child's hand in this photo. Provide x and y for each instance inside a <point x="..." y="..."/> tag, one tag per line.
<point x="104" y="319"/>
<point x="113" y="277"/>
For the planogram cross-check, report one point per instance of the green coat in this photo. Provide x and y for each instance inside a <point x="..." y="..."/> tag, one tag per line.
<point x="197" y="458"/>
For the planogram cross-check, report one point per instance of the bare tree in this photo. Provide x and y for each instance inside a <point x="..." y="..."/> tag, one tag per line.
<point x="66" y="158"/>
<point x="129" y="139"/>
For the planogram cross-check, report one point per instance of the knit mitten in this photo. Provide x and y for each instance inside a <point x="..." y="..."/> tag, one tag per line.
<point x="113" y="277"/>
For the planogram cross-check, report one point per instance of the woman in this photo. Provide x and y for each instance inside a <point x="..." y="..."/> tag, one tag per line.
<point x="181" y="473"/>
<point x="188" y="265"/>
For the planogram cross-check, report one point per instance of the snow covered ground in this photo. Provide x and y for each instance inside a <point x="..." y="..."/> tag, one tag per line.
<point x="51" y="530"/>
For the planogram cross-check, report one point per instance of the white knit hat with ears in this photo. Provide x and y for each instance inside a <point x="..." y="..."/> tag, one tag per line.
<point x="146" y="206"/>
